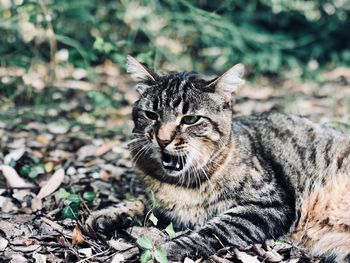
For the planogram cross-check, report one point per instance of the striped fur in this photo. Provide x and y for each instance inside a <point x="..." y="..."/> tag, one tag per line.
<point x="250" y="178"/>
<point x="245" y="179"/>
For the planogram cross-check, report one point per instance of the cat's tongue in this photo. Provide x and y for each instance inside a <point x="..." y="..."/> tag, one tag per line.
<point x="172" y="162"/>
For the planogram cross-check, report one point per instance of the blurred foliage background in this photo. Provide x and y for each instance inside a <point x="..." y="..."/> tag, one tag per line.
<point x="41" y="39"/>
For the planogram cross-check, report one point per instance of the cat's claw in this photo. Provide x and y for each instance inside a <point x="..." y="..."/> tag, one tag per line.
<point x="103" y="222"/>
<point x="175" y="253"/>
<point x="106" y="221"/>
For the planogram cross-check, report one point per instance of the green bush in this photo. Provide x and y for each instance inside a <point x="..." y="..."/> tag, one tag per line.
<point x="267" y="35"/>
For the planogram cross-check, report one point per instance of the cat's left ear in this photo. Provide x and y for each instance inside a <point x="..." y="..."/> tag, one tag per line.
<point x="229" y="82"/>
<point x="144" y="76"/>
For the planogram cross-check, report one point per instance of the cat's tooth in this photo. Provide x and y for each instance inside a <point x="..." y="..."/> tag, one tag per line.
<point x="177" y="166"/>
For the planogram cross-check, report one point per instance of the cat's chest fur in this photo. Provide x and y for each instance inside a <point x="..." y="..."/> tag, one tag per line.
<point x="189" y="207"/>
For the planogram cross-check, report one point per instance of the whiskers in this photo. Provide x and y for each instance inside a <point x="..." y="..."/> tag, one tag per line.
<point x="141" y="145"/>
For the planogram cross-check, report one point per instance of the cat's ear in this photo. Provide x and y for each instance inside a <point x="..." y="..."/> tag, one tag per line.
<point x="144" y="76"/>
<point x="229" y="82"/>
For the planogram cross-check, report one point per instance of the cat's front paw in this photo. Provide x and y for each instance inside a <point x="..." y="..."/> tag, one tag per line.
<point x="193" y="246"/>
<point x="104" y="222"/>
<point x="177" y="253"/>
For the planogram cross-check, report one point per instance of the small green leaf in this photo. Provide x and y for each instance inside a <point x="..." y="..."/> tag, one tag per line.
<point x="71" y="211"/>
<point x="153" y="219"/>
<point x="139" y="222"/>
<point x="146" y="256"/>
<point x="63" y="193"/>
<point x="74" y="198"/>
<point x="35" y="159"/>
<point x="144" y="242"/>
<point x="89" y="196"/>
<point x="160" y="255"/>
<point x="170" y="231"/>
<point x="74" y="190"/>
<point x="25" y="170"/>
<point x="12" y="163"/>
<point x="279" y="241"/>
<point x="33" y="173"/>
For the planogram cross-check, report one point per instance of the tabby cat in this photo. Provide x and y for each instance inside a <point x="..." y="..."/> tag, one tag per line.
<point x="234" y="180"/>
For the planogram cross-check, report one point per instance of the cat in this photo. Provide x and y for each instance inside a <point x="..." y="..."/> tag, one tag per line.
<point x="234" y="180"/>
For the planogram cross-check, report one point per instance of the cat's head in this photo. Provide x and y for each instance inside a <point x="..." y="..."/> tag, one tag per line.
<point x="181" y="121"/>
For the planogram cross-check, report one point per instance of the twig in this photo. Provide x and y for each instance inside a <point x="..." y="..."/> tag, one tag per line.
<point x="92" y="256"/>
<point x="56" y="227"/>
<point x="218" y="239"/>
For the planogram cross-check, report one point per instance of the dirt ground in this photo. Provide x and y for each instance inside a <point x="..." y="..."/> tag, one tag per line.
<point x="61" y="161"/>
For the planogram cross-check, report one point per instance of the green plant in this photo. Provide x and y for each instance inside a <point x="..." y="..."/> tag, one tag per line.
<point x="74" y="201"/>
<point x="150" y="252"/>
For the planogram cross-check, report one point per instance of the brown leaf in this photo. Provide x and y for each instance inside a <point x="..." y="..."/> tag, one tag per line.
<point x="49" y="167"/>
<point x="39" y="258"/>
<point x="12" y="177"/>
<point x="86" y="252"/>
<point x="3" y="243"/>
<point x="106" y="147"/>
<point x="77" y="236"/>
<point x="44" y="138"/>
<point x="273" y="256"/>
<point x="14" y="155"/>
<point x="52" y="184"/>
<point x="188" y="260"/>
<point x="86" y="151"/>
<point x="74" y="84"/>
<point x="120" y="245"/>
<point x="245" y="258"/>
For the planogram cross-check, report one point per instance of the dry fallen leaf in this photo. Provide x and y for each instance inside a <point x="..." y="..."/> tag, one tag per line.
<point x="245" y="258"/>
<point x="14" y="155"/>
<point x="37" y="204"/>
<point x="3" y="243"/>
<point x="119" y="245"/>
<point x="273" y="256"/>
<point x="118" y="258"/>
<point x="86" y="151"/>
<point x="77" y="236"/>
<point x="44" y="138"/>
<point x="106" y="147"/>
<point x="52" y="184"/>
<point x="49" y="167"/>
<point x="7" y="206"/>
<point x="87" y="252"/>
<point x="74" y="84"/>
<point x="12" y="177"/>
<point x="39" y="258"/>
<point x="188" y="260"/>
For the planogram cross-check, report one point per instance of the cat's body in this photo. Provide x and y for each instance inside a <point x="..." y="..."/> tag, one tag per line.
<point x="238" y="180"/>
<point x="282" y="175"/>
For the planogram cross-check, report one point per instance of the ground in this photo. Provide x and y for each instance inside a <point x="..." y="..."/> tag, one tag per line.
<point x="61" y="160"/>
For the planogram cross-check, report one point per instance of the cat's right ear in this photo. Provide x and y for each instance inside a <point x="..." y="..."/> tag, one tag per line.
<point x="229" y="82"/>
<point x="144" y="76"/>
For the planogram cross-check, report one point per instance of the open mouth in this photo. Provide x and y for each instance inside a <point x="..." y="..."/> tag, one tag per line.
<point x="172" y="162"/>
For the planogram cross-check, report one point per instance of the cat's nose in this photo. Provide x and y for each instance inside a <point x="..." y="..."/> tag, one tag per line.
<point x="163" y="143"/>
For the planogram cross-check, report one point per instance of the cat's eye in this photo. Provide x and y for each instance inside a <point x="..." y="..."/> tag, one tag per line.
<point x="190" y="119"/>
<point x="151" y="115"/>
